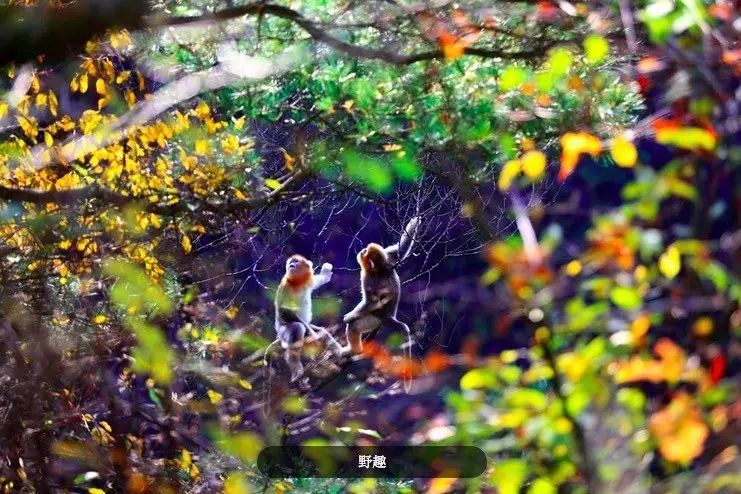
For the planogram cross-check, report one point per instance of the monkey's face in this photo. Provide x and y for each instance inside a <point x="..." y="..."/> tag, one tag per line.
<point x="298" y="267"/>
<point x="372" y="258"/>
<point x="299" y="272"/>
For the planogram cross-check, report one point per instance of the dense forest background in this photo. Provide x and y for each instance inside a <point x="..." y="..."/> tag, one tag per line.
<point x="573" y="290"/>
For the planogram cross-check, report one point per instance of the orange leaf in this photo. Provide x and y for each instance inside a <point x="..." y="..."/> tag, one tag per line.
<point x="440" y="485"/>
<point x="451" y="46"/>
<point x="573" y="145"/>
<point x="679" y="429"/>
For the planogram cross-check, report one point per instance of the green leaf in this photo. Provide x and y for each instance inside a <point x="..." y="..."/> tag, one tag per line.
<point x="243" y="445"/>
<point x="478" y="379"/>
<point x="152" y="354"/>
<point x="509" y="475"/>
<point x="236" y="483"/>
<point x="272" y="183"/>
<point x="512" y="77"/>
<point x="626" y="298"/>
<point x="135" y="289"/>
<point x="294" y="405"/>
<point x="372" y="172"/>
<point x="508" y="145"/>
<point x="632" y="399"/>
<point x="596" y="48"/>
<point x="542" y="485"/>
<point x="406" y="166"/>
<point x="560" y="62"/>
<point x="527" y="398"/>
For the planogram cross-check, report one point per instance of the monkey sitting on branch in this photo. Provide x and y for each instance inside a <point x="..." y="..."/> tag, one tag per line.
<point x="381" y="289"/>
<point x="293" y="311"/>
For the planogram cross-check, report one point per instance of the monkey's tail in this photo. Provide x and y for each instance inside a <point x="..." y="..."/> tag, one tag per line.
<point x="266" y="378"/>
<point x="408" y="237"/>
<point x="408" y="371"/>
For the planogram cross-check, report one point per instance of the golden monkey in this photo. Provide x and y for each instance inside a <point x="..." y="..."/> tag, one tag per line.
<point x="381" y="289"/>
<point x="293" y="310"/>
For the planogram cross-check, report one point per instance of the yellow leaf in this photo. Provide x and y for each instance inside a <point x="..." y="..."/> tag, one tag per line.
<point x="101" y="87"/>
<point x="35" y="83"/>
<point x="129" y="97"/>
<point x="103" y="102"/>
<point x="703" y="326"/>
<point x="670" y="262"/>
<point x="95" y="490"/>
<point x="41" y="100"/>
<point x="231" y="312"/>
<point x="100" y="319"/>
<point x="185" y="243"/>
<point x="680" y="430"/>
<point x="83" y="83"/>
<point x="533" y="163"/>
<point x="245" y="384"/>
<point x="48" y="139"/>
<point x="692" y="138"/>
<point x="623" y="152"/>
<point x="288" y="160"/>
<point x="440" y="485"/>
<point x="640" y="326"/>
<point x="451" y="46"/>
<point x="123" y="76"/>
<point x="236" y="483"/>
<point x="573" y="145"/>
<point x="239" y="123"/>
<point x="3" y="109"/>
<point x="230" y="144"/>
<point x="203" y="146"/>
<point x="214" y="397"/>
<point x="510" y="170"/>
<point x="272" y="183"/>
<point x="202" y="110"/>
<point x="53" y="103"/>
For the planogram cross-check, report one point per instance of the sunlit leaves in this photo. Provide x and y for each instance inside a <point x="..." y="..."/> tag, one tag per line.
<point x="236" y="483"/>
<point x="512" y="77"/>
<point x="243" y="445"/>
<point x="152" y="354"/>
<point x="679" y="430"/>
<point x="668" y="366"/>
<point x="186" y="244"/>
<point x="509" y="475"/>
<point x="533" y="163"/>
<point x="691" y="138"/>
<point x="626" y="298"/>
<point x="477" y="379"/>
<point x="573" y="145"/>
<point x="670" y="262"/>
<point x="560" y="61"/>
<point x="377" y="174"/>
<point x="596" y="48"/>
<point x="451" y="46"/>
<point x="441" y="485"/>
<point x="623" y="152"/>
<point x="134" y="291"/>
<point x="508" y="173"/>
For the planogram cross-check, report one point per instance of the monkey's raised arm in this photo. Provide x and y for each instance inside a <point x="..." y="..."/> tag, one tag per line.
<point x="325" y="274"/>
<point x="398" y="252"/>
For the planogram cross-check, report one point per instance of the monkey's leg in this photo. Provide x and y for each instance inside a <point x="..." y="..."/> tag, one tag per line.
<point x="329" y="341"/>
<point x="293" y="359"/>
<point x="292" y="340"/>
<point x="356" y="329"/>
<point x="397" y="325"/>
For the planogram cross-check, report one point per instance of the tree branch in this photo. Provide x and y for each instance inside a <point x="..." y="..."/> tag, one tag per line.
<point x="73" y="196"/>
<point x="323" y="36"/>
